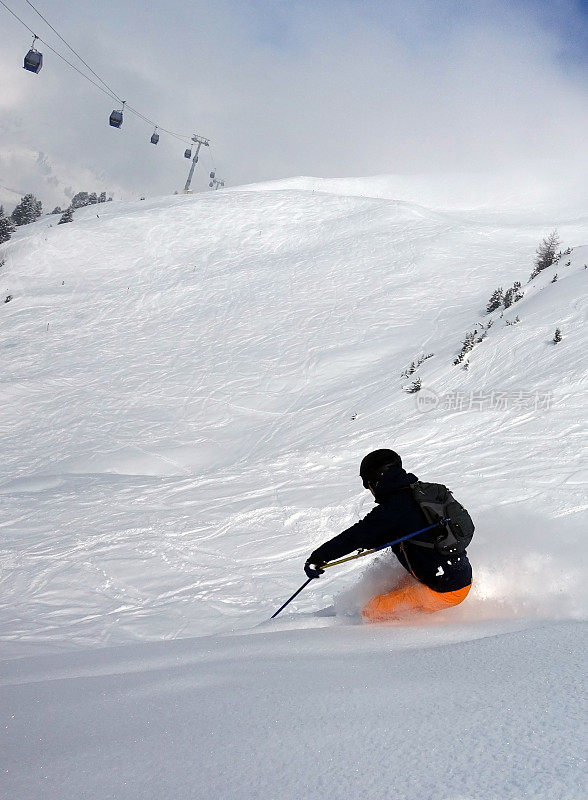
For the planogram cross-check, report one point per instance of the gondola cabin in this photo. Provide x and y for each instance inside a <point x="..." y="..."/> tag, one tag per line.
<point x="33" y="61"/>
<point x="187" y="153"/>
<point x="116" y="119"/>
<point x="154" y="138"/>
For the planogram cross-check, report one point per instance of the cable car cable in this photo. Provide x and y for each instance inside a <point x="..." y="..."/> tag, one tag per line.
<point x="19" y="19"/>
<point x="110" y="89"/>
<point x="107" y="91"/>
<point x="46" y="21"/>
<point x="105" y="88"/>
<point x="63" y="58"/>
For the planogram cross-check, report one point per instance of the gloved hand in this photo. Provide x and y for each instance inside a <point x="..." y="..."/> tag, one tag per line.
<point x="313" y="570"/>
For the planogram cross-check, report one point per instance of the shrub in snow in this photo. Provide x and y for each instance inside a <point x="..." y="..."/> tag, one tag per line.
<point x="513" y="295"/>
<point x="414" y="366"/>
<point x="415" y="386"/>
<point x="554" y="279"/>
<point x="557" y="336"/>
<point x="28" y="210"/>
<point x="545" y="253"/>
<point x="468" y="344"/>
<point x="514" y="321"/>
<point x="495" y="301"/>
<point x="6" y="227"/>
<point x="67" y="216"/>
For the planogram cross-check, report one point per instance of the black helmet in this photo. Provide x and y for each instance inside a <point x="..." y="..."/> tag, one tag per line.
<point x="376" y="463"/>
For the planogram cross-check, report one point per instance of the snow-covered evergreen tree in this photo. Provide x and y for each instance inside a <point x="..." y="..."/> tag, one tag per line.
<point x="545" y="253"/>
<point x="495" y="301"/>
<point x="513" y="295"/>
<point x="28" y="210"/>
<point x="67" y="216"/>
<point x="82" y="199"/>
<point x="415" y="386"/>
<point x="468" y="344"/>
<point x="6" y="227"/>
<point x="57" y="210"/>
<point x="557" y="336"/>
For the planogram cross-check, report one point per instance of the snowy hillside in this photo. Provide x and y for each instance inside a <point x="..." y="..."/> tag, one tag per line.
<point x="189" y="384"/>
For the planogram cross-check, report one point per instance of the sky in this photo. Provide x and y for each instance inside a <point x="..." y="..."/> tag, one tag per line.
<point x="291" y="87"/>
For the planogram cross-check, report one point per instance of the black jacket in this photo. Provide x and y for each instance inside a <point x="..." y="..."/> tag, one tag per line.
<point x="396" y="515"/>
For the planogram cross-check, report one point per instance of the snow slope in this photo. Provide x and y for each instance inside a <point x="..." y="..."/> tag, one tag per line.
<point x="457" y="713"/>
<point x="179" y="380"/>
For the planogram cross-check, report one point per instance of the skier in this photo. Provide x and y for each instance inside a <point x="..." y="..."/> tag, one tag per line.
<point x="435" y="581"/>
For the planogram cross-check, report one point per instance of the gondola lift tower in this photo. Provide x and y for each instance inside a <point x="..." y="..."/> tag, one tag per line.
<point x="198" y="141"/>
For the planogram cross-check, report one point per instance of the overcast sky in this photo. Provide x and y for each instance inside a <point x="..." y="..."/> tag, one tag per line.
<point x="291" y="87"/>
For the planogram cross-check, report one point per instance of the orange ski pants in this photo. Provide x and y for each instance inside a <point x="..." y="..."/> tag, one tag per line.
<point x="410" y="598"/>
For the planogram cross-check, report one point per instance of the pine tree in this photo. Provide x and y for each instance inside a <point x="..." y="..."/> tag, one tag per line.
<point x="467" y="346"/>
<point x="512" y="295"/>
<point x="495" y="301"/>
<point x="80" y="200"/>
<point x="6" y="227"/>
<point x="57" y="210"/>
<point x="557" y="336"/>
<point x="67" y="216"/>
<point x="28" y="210"/>
<point x="545" y="253"/>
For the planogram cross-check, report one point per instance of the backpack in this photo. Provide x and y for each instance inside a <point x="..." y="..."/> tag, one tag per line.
<point x="437" y="503"/>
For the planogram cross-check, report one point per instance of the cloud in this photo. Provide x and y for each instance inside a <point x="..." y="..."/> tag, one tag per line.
<point x="323" y="88"/>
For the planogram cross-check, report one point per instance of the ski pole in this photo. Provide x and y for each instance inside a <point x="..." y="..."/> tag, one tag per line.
<point x="296" y="593"/>
<point x="383" y="546"/>
<point x="359" y="555"/>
